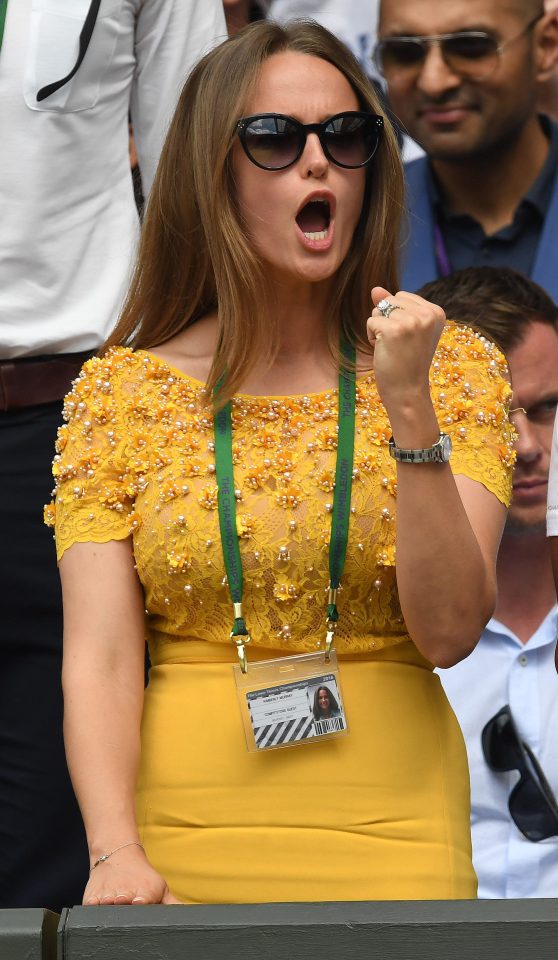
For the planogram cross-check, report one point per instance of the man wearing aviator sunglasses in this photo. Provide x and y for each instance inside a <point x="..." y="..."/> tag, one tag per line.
<point x="472" y="54"/>
<point x="462" y="79"/>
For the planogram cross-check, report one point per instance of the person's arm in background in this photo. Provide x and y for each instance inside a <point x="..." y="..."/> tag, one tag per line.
<point x="552" y="513"/>
<point x="171" y="36"/>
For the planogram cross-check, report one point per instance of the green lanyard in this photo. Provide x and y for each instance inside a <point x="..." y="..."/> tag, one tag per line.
<point x="340" y="516"/>
<point x="3" y="8"/>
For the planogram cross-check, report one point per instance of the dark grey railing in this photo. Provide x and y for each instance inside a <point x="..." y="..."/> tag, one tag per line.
<point x="28" y="934"/>
<point x="417" y="930"/>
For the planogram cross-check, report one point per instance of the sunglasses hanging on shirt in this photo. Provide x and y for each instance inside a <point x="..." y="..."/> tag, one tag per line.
<point x="274" y="142"/>
<point x="532" y="804"/>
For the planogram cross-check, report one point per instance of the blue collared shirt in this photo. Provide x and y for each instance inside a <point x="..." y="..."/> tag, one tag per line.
<point x="503" y="670"/>
<point x="514" y="245"/>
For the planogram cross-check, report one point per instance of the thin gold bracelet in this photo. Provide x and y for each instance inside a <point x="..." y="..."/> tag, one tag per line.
<point x="105" y="856"/>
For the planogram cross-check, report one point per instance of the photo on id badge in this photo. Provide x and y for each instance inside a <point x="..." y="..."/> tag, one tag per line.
<point x="301" y="711"/>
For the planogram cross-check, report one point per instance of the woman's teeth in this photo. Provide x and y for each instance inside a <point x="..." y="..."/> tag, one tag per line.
<point x="314" y="219"/>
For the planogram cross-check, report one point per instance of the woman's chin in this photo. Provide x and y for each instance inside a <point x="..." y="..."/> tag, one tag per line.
<point x="304" y="273"/>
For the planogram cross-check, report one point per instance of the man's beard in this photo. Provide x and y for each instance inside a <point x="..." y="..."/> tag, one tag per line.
<point x="524" y="528"/>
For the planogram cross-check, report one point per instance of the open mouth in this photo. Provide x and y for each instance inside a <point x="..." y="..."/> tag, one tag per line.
<point x="314" y="219"/>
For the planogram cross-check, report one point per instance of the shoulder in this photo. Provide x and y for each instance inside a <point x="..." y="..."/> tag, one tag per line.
<point x="416" y="170"/>
<point x="104" y="372"/>
<point x="469" y="377"/>
<point x="471" y="394"/>
<point x="125" y="387"/>
<point x="461" y="344"/>
<point x="122" y="372"/>
<point x="100" y="382"/>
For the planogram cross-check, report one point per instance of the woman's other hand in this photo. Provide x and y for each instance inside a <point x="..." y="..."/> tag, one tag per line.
<point x="126" y="877"/>
<point x="404" y="345"/>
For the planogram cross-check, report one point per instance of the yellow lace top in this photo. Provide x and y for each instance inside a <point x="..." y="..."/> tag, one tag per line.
<point x="136" y="457"/>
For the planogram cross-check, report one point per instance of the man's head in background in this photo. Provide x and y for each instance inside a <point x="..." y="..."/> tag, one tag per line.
<point x="475" y="85"/>
<point x="239" y="13"/>
<point x="523" y="320"/>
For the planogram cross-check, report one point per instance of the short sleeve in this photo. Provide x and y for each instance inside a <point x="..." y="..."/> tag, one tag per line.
<point x="93" y="497"/>
<point x="552" y="508"/>
<point x="471" y="392"/>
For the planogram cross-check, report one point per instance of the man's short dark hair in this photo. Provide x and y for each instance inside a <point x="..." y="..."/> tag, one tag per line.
<point x="499" y="302"/>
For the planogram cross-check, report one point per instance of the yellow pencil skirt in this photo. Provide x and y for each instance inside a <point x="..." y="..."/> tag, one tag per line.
<point x="381" y="814"/>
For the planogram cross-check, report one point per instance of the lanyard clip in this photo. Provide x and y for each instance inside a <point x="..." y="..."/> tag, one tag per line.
<point x="331" y="620"/>
<point x="331" y="626"/>
<point x="330" y="637"/>
<point x="241" y="651"/>
<point x="240" y="636"/>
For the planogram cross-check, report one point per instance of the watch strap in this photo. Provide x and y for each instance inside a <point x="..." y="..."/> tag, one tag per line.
<point x="433" y="454"/>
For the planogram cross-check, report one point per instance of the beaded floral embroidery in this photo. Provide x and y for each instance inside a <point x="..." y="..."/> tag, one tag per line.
<point x="136" y="457"/>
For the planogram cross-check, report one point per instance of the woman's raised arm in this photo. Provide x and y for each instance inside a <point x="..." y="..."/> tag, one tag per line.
<point x="448" y="528"/>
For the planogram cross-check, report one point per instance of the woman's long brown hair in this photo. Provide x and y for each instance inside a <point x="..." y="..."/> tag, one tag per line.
<point x="195" y="256"/>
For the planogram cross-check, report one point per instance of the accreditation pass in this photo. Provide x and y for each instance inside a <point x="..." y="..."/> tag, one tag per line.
<point x="303" y="710"/>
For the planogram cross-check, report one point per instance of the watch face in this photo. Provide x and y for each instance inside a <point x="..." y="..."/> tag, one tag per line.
<point x="445" y="447"/>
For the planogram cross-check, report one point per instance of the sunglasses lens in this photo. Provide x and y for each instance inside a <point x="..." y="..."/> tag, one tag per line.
<point x="352" y="140"/>
<point x="392" y="54"/>
<point x="272" y="142"/>
<point x="471" y="54"/>
<point x="532" y="811"/>
<point x="531" y="803"/>
<point x="500" y="743"/>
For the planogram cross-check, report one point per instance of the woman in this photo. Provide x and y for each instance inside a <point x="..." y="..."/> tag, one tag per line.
<point x="261" y="242"/>
<point x="325" y="704"/>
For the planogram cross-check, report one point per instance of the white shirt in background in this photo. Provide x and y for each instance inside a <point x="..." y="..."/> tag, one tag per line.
<point x="353" y="21"/>
<point x="69" y="225"/>
<point x="502" y="670"/>
<point x="552" y="507"/>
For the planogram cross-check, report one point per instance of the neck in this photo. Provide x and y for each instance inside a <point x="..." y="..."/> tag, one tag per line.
<point x="475" y="184"/>
<point x="525" y="583"/>
<point x="303" y="362"/>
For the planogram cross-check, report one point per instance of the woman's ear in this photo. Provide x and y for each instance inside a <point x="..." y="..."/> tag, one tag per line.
<point x="546" y="45"/>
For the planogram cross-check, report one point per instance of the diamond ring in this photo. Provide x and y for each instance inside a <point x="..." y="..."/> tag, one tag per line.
<point x="386" y="307"/>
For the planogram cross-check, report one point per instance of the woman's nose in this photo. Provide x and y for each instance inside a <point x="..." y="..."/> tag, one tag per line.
<point x="315" y="163"/>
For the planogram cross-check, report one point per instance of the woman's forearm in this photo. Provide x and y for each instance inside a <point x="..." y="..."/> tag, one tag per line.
<point x="103" y="681"/>
<point x="447" y="594"/>
<point x="102" y="714"/>
<point x="448" y="531"/>
<point x="446" y="582"/>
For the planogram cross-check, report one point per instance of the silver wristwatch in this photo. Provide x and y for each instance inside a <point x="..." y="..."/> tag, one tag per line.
<point x="439" y="452"/>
